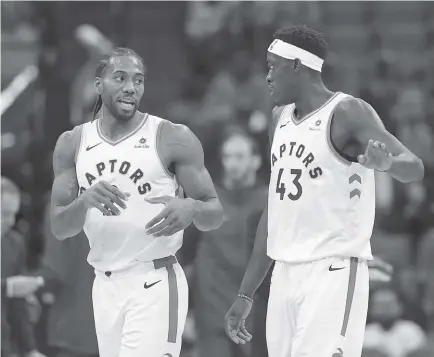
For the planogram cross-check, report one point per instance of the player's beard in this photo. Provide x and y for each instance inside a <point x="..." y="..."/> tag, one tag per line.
<point x="117" y="111"/>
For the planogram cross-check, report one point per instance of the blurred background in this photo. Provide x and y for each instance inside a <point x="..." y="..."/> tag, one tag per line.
<point x="206" y="69"/>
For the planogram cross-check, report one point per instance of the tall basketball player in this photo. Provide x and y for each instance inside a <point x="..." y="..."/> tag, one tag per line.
<point x="325" y="149"/>
<point x="119" y="178"/>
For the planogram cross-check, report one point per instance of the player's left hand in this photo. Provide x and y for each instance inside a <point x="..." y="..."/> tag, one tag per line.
<point x="176" y="216"/>
<point x="376" y="156"/>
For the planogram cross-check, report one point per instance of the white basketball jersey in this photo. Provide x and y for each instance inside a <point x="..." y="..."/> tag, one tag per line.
<point x="320" y="205"/>
<point x="133" y="165"/>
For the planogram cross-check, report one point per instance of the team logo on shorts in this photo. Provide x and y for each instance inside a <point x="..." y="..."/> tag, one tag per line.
<point x="143" y="143"/>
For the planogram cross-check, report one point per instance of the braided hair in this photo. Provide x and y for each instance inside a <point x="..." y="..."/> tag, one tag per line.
<point x="118" y="51"/>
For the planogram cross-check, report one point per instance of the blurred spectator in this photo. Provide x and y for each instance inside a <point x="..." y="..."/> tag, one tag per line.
<point x="412" y="125"/>
<point x="68" y="289"/>
<point x="223" y="254"/>
<point x="388" y="332"/>
<point x="238" y="91"/>
<point x="83" y="93"/>
<point x="426" y="266"/>
<point x="17" y="335"/>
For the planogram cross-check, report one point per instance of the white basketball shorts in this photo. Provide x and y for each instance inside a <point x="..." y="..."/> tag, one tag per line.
<point x="318" y="309"/>
<point x="141" y="312"/>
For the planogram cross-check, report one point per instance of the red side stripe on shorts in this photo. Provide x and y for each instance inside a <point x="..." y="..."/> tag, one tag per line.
<point x="173" y="304"/>
<point x="350" y="294"/>
<point x="168" y="262"/>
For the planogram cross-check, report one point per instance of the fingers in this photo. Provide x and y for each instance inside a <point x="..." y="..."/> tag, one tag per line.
<point x="236" y="331"/>
<point x="231" y="328"/>
<point x="109" y="204"/>
<point x="244" y="333"/>
<point x="112" y="196"/>
<point x="103" y="208"/>
<point x="161" y="199"/>
<point x="114" y="190"/>
<point x="163" y="214"/>
<point x="374" y="151"/>
<point x="169" y="230"/>
<point x="162" y="225"/>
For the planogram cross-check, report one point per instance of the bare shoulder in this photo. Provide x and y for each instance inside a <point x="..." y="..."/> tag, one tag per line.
<point x="355" y="112"/>
<point x="66" y="149"/>
<point x="178" y="142"/>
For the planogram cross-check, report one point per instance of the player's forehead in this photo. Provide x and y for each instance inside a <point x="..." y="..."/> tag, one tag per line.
<point x="128" y="64"/>
<point x="273" y="58"/>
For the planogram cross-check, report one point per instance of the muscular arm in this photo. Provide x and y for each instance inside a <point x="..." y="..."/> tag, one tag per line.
<point x="68" y="213"/>
<point x="361" y="124"/>
<point x="182" y="152"/>
<point x="260" y="262"/>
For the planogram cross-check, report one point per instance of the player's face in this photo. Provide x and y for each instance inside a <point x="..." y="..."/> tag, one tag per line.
<point x="122" y="86"/>
<point x="9" y="209"/>
<point x="281" y="80"/>
<point x="237" y="159"/>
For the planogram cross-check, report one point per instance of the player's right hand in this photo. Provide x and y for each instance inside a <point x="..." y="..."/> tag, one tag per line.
<point x="105" y="197"/>
<point x="235" y="321"/>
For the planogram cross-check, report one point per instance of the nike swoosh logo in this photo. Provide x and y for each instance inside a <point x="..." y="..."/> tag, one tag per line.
<point x="91" y="147"/>
<point x="168" y="354"/>
<point x="333" y="269"/>
<point x="146" y="286"/>
<point x="283" y="125"/>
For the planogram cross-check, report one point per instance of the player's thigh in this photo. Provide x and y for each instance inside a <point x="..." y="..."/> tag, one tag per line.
<point x="155" y="319"/>
<point x="280" y="322"/>
<point x="332" y="316"/>
<point x="108" y="316"/>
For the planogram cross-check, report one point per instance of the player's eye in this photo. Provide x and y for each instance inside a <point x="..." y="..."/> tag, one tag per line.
<point x="119" y="78"/>
<point x="139" y="80"/>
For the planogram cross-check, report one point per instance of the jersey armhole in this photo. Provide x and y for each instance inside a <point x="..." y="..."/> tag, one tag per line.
<point x="338" y="153"/>
<point x="275" y="123"/>
<point x="80" y="141"/>
<point x="157" y="141"/>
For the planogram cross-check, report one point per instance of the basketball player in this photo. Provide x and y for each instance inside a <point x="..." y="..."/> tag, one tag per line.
<point x="127" y="169"/>
<point x="325" y="149"/>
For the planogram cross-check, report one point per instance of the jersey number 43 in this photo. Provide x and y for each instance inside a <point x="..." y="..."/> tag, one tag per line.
<point x="281" y="187"/>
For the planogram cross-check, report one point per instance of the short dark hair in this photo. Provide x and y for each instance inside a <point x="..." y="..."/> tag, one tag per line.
<point x="305" y="38"/>
<point x="102" y="65"/>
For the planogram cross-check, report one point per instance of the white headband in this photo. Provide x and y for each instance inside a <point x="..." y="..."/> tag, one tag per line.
<point x="286" y="50"/>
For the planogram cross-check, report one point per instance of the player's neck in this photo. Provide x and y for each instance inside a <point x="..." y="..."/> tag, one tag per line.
<point x="312" y="97"/>
<point x="114" y="128"/>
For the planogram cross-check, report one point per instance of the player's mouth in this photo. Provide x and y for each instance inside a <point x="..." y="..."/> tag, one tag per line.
<point x="271" y="89"/>
<point x="127" y="103"/>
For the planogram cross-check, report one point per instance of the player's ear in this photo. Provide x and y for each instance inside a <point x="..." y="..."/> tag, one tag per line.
<point x="98" y="85"/>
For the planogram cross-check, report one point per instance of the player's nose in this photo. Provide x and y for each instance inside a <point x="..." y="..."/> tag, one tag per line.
<point x="129" y="88"/>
